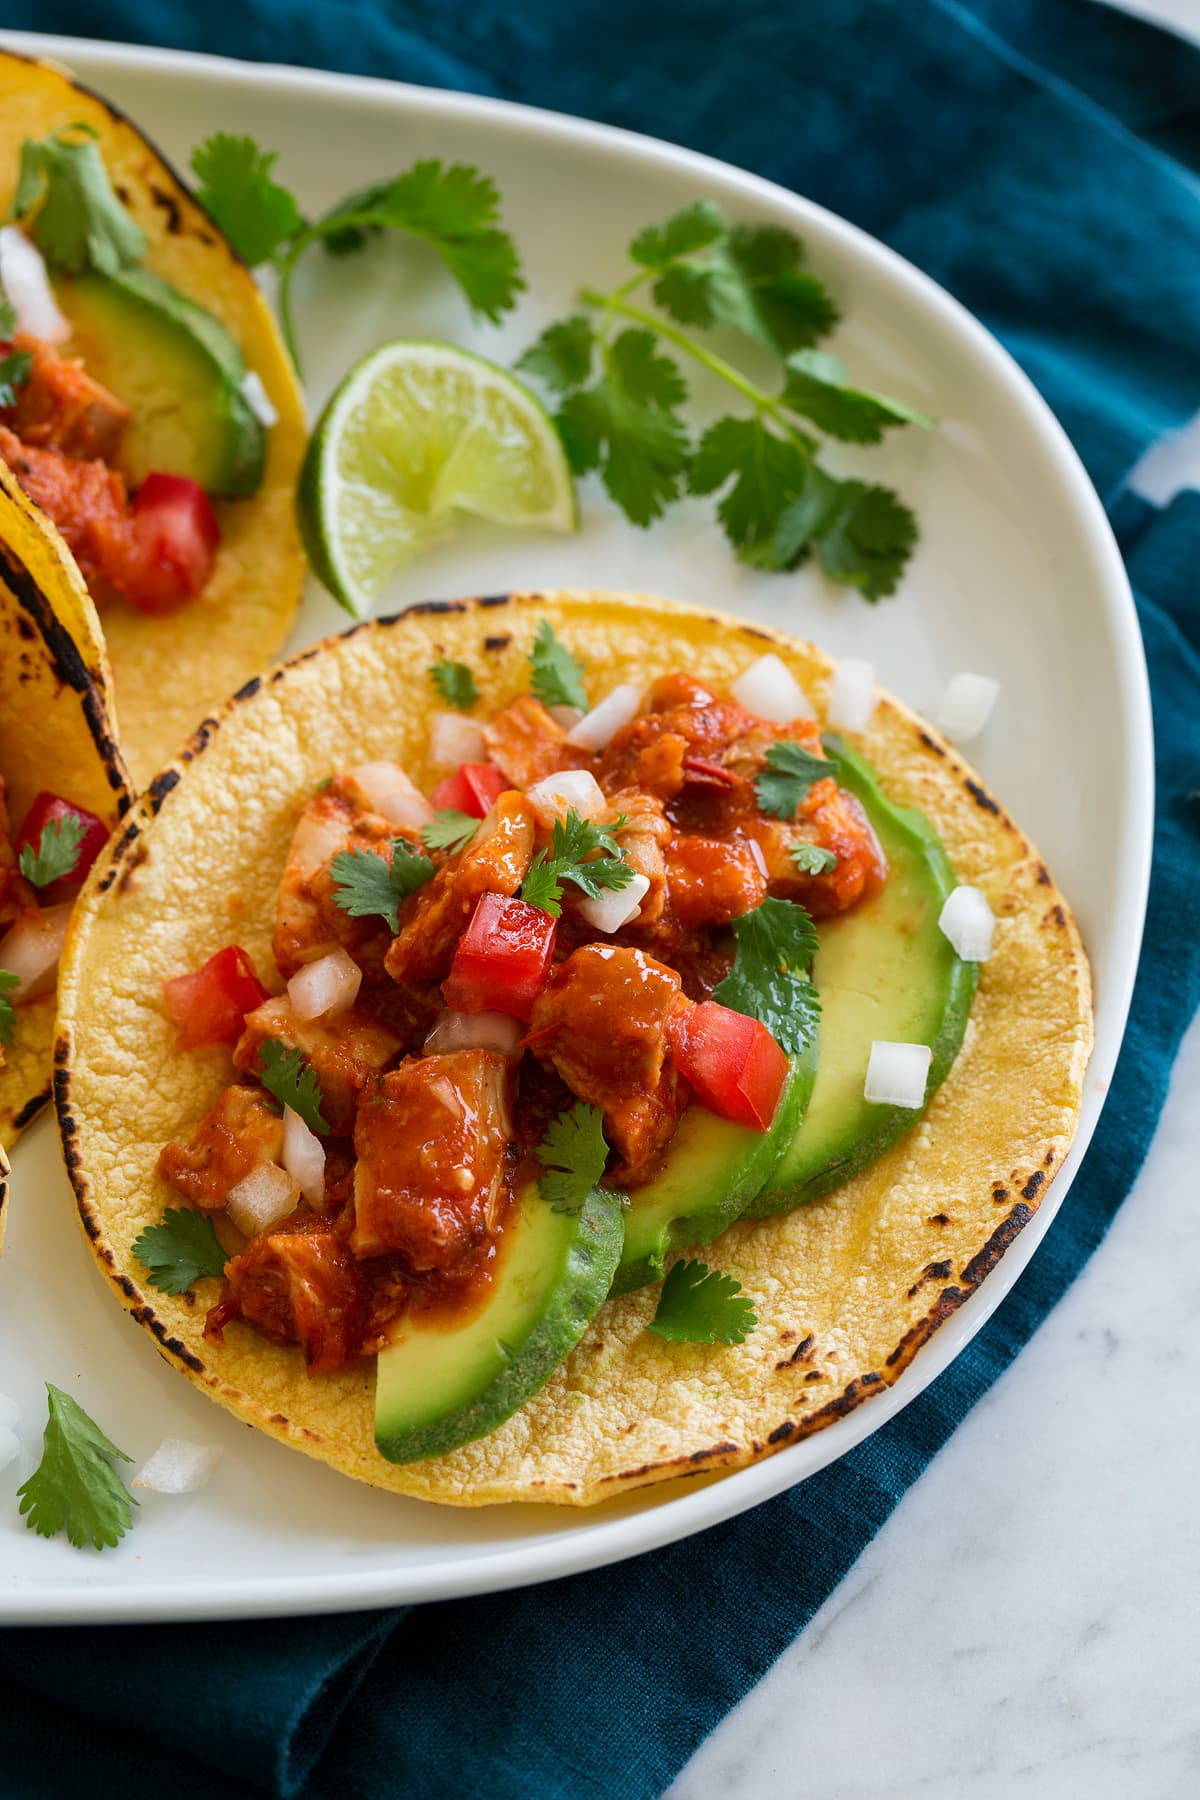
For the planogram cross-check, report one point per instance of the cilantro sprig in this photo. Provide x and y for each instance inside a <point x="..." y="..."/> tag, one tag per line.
<point x="699" y="1305"/>
<point x="587" y="855"/>
<point x="555" y="676"/>
<point x="57" y="850"/>
<point x="15" y="367"/>
<point x="620" y="397"/>
<point x="449" y="830"/>
<point x="790" y="772"/>
<point x="454" y="682"/>
<point x="75" y="1486"/>
<point x="572" y="1154"/>
<point x="452" y="206"/>
<point x="811" y="859"/>
<point x="290" y="1079"/>
<point x="66" y="200"/>
<point x="180" y="1249"/>
<point x="8" y="1017"/>
<point x="365" y="884"/>
<point x="769" y="980"/>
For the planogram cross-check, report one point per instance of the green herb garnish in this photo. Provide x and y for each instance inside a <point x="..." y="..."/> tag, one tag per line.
<point x="572" y="840"/>
<point x="769" y="980"/>
<point x="75" y="1485"/>
<point x="790" y="772"/>
<point x="15" y="367"/>
<point x="57" y="851"/>
<point x="290" y="1079"/>
<point x="454" y="682"/>
<point x="811" y="859"/>
<point x="572" y="1154"/>
<point x="699" y="1305"/>
<point x="449" y="830"/>
<point x="66" y="198"/>
<point x="365" y="884"/>
<point x="180" y="1249"/>
<point x="555" y="676"/>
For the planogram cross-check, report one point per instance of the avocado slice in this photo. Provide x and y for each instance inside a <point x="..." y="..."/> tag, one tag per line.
<point x="441" y="1385"/>
<point x="712" y="1170"/>
<point x="177" y="369"/>
<point x="883" y="970"/>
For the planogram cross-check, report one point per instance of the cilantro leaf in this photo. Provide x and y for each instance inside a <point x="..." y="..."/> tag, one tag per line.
<point x="8" y="316"/>
<point x="811" y="859"/>
<point x="572" y="1154"/>
<point x="748" y="278"/>
<point x="556" y="677"/>
<point x="366" y="884"/>
<point x="8" y="981"/>
<point x="768" y="472"/>
<point x="75" y="1484"/>
<point x="449" y="829"/>
<point x="863" y="535"/>
<point x="790" y="773"/>
<point x="179" y="1250"/>
<point x="627" y="425"/>
<point x="562" y="356"/>
<point x="699" y="1305"/>
<point x="816" y="387"/>
<point x="287" y="1076"/>
<point x="257" y="215"/>
<point x="541" y="886"/>
<point x="454" y="682"/>
<point x="769" y="978"/>
<point x="57" y="851"/>
<point x="15" y="367"/>
<point x="65" y="195"/>
<point x="573" y="840"/>
<point x="693" y="228"/>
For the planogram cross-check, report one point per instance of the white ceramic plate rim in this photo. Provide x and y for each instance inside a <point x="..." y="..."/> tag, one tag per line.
<point x="458" y="1573"/>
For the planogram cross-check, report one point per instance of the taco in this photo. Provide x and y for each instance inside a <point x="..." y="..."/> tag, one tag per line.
<point x="62" y="787"/>
<point x="147" y="405"/>
<point x="533" y="994"/>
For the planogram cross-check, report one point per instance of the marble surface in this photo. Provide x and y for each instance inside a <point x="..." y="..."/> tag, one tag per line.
<point x="1027" y="1623"/>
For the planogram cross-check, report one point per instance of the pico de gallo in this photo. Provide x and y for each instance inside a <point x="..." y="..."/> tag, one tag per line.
<point x="557" y="926"/>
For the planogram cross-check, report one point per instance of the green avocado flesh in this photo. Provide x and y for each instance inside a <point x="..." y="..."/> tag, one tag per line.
<point x="446" y="1383"/>
<point x="177" y="369"/>
<point x="884" y="970"/>
<point x="713" y="1168"/>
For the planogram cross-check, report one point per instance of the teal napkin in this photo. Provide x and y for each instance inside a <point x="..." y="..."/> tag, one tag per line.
<point x="1039" y="158"/>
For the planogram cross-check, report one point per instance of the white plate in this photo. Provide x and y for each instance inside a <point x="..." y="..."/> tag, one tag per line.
<point x="1017" y="577"/>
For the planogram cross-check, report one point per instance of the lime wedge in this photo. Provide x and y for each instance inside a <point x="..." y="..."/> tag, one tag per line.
<point x="416" y="434"/>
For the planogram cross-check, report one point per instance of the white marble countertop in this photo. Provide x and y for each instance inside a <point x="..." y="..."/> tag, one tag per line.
<point x="1027" y="1623"/>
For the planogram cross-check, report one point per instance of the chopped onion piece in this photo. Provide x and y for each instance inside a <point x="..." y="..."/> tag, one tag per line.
<point x="10" y="1413"/>
<point x="258" y="400"/>
<point x="304" y="1158"/>
<point x="967" y="706"/>
<point x="769" y="690"/>
<point x="615" y="711"/>
<point x="387" y="790"/>
<point x="615" y="907"/>
<point x="325" y="988"/>
<point x="896" y="1074"/>
<point x="178" y="1467"/>
<point x="261" y="1198"/>
<point x="474" y="1031"/>
<point x="10" y="1444"/>
<point x="968" y="921"/>
<point x="26" y="284"/>
<point x="556" y="795"/>
<point x="852" y="695"/>
<point x="454" y="740"/>
<point x="566" y="716"/>
<point x="31" y="950"/>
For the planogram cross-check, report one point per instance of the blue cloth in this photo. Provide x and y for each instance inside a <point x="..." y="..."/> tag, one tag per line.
<point x="1039" y="158"/>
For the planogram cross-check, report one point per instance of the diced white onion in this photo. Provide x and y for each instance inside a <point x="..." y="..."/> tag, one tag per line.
<point x="454" y="740"/>
<point x="388" y="790"/>
<point x="10" y="1413"/>
<point x="566" y="716"/>
<point x="556" y="795"/>
<point x="258" y="400"/>
<point x="178" y="1467"/>
<point x="852" y="696"/>
<point x="325" y="988"/>
<point x="31" y="950"/>
<point x="896" y="1074"/>
<point x="25" y="282"/>
<point x="261" y="1198"/>
<point x="10" y="1444"/>
<point x="615" y="906"/>
<point x="474" y="1031"/>
<point x="967" y="706"/>
<point x="304" y="1158"/>
<point x="596" y="728"/>
<point x="769" y="690"/>
<point x="969" y="922"/>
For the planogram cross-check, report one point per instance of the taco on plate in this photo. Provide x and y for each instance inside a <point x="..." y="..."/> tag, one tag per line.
<point x="147" y="405"/>
<point x="419" y="1042"/>
<point x="62" y="787"/>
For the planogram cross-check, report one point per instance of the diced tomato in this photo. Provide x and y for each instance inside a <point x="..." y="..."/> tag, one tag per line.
<point x="173" y="544"/>
<point x="502" y="958"/>
<point x="734" y="1064"/>
<point x="44" y="811"/>
<point x="210" y="1005"/>
<point x="474" y="790"/>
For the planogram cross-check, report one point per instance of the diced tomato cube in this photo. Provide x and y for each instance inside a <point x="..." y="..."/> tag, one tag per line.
<point x="209" y="1005"/>
<point x="173" y="545"/>
<point x="502" y="958"/>
<point x="474" y="789"/>
<point x="45" y="810"/>
<point x="734" y="1064"/>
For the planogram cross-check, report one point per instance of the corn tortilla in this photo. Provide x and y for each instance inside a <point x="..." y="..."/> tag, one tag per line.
<point x="846" y="1289"/>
